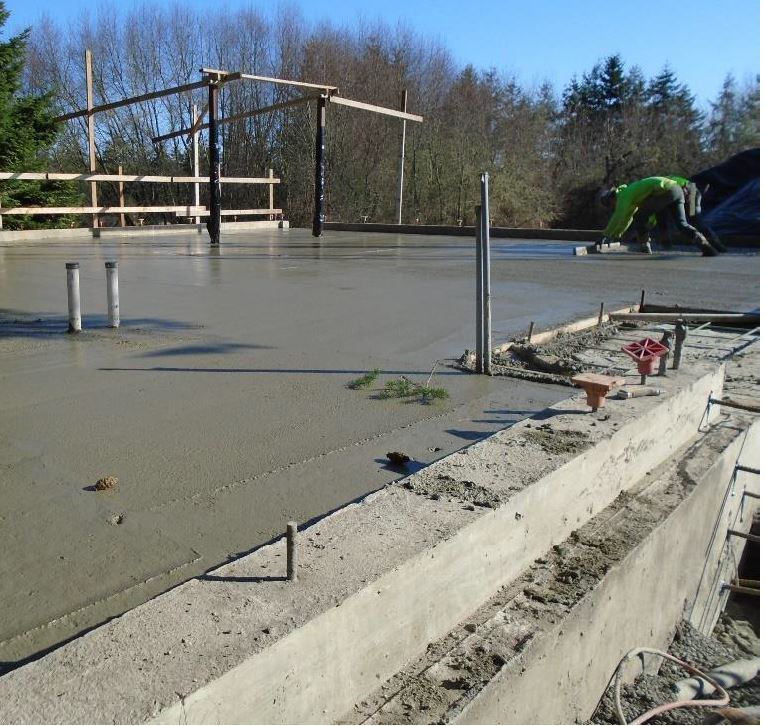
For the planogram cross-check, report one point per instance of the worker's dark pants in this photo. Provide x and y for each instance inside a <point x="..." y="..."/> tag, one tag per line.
<point x="669" y="208"/>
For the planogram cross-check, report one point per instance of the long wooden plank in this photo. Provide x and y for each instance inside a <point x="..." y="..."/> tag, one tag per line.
<point x="698" y="317"/>
<point x="55" y="176"/>
<point x="237" y="117"/>
<point x="134" y="99"/>
<point x="236" y="212"/>
<point x="281" y="81"/>
<point x="375" y="109"/>
<point x="189" y="211"/>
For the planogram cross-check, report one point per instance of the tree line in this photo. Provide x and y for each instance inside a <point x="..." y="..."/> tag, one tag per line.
<point x="547" y="153"/>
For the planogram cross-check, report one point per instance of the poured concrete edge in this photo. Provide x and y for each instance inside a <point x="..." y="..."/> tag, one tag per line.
<point x="675" y="572"/>
<point x="524" y="233"/>
<point x="24" y="236"/>
<point x="389" y="576"/>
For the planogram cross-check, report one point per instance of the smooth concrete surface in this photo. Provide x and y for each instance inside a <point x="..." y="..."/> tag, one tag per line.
<point x="376" y="581"/>
<point x="221" y="403"/>
<point x="638" y="603"/>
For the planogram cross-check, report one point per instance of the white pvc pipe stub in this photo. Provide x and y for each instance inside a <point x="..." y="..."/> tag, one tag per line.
<point x="73" y="296"/>
<point x="112" y="294"/>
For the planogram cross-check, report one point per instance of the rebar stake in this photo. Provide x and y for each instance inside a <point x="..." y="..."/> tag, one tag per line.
<point x="681" y="330"/>
<point x="291" y="542"/>
<point x="666" y="340"/>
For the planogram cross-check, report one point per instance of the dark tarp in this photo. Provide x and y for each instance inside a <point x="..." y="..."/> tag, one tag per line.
<point x="731" y="202"/>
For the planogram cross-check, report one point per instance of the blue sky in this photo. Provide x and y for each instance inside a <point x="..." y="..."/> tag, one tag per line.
<point x="701" y="40"/>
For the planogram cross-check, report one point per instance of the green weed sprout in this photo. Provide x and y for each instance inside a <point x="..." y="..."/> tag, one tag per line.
<point x="364" y="381"/>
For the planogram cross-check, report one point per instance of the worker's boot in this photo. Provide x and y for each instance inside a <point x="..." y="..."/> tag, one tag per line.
<point x="706" y="249"/>
<point x="716" y="243"/>
<point x="645" y="247"/>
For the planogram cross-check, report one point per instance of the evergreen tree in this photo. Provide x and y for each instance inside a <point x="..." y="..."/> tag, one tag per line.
<point x="27" y="129"/>
<point x="734" y="120"/>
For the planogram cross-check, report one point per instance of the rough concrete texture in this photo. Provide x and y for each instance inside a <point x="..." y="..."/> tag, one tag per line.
<point x="565" y="623"/>
<point x="377" y="581"/>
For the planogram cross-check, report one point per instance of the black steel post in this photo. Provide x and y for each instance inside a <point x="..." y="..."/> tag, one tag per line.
<point x="318" y="192"/>
<point x="213" y="221"/>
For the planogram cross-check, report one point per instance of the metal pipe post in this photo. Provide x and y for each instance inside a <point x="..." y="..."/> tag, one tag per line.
<point x="73" y="296"/>
<point x="478" y="292"/>
<point x="112" y="294"/>
<point x="403" y="150"/>
<point x="666" y="340"/>
<point x="318" y="189"/>
<point x="213" y="221"/>
<point x="681" y="330"/>
<point x="291" y="542"/>
<point x="121" y="189"/>
<point x="91" y="130"/>
<point x="486" y="273"/>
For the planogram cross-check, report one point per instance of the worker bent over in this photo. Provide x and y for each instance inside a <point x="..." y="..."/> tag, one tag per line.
<point x="635" y="204"/>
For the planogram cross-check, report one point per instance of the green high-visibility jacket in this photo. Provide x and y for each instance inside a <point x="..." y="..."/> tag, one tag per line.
<point x="629" y="197"/>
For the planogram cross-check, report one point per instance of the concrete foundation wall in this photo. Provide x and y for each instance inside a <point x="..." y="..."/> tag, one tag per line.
<point x="319" y="671"/>
<point x="663" y="576"/>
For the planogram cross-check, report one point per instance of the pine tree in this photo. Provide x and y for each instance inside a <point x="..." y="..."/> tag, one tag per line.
<point x="734" y="120"/>
<point x="27" y="129"/>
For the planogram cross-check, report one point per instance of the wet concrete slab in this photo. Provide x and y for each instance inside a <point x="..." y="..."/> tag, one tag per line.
<point x="222" y="403"/>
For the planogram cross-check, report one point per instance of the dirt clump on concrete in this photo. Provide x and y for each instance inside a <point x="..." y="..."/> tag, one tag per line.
<point x="731" y="640"/>
<point x="557" y="441"/>
<point x="106" y="483"/>
<point x="444" y="486"/>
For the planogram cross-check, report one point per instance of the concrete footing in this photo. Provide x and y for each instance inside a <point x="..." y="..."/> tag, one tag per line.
<point x="382" y="579"/>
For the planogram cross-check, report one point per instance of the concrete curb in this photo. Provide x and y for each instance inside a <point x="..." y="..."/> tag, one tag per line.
<point x="579" y="655"/>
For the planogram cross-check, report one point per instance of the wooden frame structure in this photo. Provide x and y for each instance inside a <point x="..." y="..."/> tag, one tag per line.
<point x="322" y="94"/>
<point x="213" y="79"/>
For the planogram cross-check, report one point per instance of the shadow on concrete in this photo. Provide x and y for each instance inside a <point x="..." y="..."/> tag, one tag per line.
<point x="205" y="349"/>
<point x="333" y="371"/>
<point x="222" y="578"/>
<point x="22" y="324"/>
<point x="470" y="435"/>
<point x="402" y="470"/>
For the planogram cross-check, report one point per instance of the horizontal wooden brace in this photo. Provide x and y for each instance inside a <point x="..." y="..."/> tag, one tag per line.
<point x="234" y="212"/>
<point x="188" y="211"/>
<point x="375" y="109"/>
<point x="56" y="176"/>
<point x="133" y="99"/>
<point x="236" y="117"/>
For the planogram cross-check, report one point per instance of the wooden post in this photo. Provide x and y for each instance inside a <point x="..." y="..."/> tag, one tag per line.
<point x="485" y="242"/>
<point x="213" y="221"/>
<point x="478" y="291"/>
<point x="195" y="149"/>
<point x="121" y="187"/>
<point x="271" y="195"/>
<point x="91" y="130"/>
<point x="318" y="191"/>
<point x="403" y="149"/>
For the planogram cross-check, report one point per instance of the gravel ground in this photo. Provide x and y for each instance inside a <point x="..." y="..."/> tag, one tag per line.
<point x="731" y="640"/>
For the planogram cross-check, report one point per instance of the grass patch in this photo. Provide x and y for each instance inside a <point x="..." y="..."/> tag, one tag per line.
<point x="364" y="381"/>
<point x="404" y="388"/>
